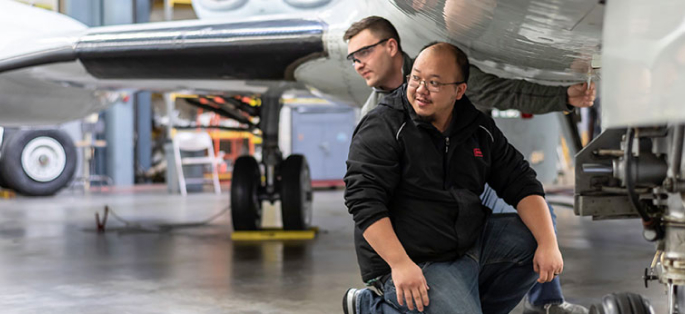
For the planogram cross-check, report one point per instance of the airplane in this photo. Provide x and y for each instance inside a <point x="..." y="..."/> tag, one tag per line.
<point x="54" y="69"/>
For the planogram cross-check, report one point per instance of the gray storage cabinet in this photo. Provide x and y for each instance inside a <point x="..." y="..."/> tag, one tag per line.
<point x="322" y="133"/>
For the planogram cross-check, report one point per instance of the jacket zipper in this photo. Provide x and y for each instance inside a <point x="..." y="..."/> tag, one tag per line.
<point x="444" y="162"/>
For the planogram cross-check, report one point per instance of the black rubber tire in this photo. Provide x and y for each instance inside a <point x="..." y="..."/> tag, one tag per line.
<point x="6" y="135"/>
<point x="246" y="209"/>
<point x="623" y="303"/>
<point x="3" y="184"/>
<point x="296" y="193"/>
<point x="13" y="173"/>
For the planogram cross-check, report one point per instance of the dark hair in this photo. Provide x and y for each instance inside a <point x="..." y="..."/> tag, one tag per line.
<point x="377" y="25"/>
<point x="460" y="57"/>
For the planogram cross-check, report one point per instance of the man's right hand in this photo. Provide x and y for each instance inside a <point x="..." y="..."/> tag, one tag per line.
<point x="408" y="278"/>
<point x="410" y="285"/>
<point x="580" y="96"/>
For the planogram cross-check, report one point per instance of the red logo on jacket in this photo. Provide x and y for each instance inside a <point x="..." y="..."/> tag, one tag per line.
<point x="477" y="152"/>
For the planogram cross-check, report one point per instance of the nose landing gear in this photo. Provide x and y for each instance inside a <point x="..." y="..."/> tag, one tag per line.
<point x="286" y="180"/>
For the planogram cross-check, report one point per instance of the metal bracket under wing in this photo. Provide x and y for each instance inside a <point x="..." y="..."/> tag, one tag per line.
<point x="597" y="191"/>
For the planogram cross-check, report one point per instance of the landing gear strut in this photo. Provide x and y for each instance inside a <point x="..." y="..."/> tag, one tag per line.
<point x="638" y="173"/>
<point x="285" y="180"/>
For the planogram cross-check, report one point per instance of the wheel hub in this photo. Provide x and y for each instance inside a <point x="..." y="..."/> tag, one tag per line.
<point x="43" y="159"/>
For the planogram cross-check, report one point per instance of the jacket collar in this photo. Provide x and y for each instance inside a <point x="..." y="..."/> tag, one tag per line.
<point x="465" y="117"/>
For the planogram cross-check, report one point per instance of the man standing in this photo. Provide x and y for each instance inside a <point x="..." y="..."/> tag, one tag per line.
<point x="376" y="54"/>
<point x="416" y="167"/>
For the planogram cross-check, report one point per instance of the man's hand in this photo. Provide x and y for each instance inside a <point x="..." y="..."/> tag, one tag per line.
<point x="580" y="96"/>
<point x="408" y="278"/>
<point x="410" y="285"/>
<point x="548" y="262"/>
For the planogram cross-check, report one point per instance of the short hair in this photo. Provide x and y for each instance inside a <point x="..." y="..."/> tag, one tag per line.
<point x="460" y="57"/>
<point x="377" y="25"/>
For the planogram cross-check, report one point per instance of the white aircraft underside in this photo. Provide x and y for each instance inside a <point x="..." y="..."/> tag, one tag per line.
<point x="549" y="42"/>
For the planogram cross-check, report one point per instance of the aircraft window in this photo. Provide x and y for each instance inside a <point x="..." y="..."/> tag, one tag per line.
<point x="222" y="5"/>
<point x="307" y="4"/>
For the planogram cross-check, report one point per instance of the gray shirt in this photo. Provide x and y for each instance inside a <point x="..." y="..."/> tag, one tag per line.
<point x="487" y="91"/>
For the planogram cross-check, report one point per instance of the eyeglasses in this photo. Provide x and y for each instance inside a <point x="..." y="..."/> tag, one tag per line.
<point x="363" y="52"/>
<point x="433" y="86"/>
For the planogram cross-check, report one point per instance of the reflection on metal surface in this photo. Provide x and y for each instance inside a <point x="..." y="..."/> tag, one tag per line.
<point x="552" y="41"/>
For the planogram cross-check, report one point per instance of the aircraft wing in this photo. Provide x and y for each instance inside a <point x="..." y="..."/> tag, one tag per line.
<point x="60" y="77"/>
<point x="243" y="50"/>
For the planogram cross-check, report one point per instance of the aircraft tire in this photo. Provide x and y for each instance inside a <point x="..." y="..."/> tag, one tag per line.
<point x="2" y="180"/>
<point x="37" y="162"/>
<point x="623" y="303"/>
<point x="246" y="209"/>
<point x="296" y="193"/>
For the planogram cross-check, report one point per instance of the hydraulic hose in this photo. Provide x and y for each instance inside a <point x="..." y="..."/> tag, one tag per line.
<point x="630" y="185"/>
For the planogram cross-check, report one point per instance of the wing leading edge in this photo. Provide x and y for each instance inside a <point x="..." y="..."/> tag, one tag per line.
<point x="254" y="50"/>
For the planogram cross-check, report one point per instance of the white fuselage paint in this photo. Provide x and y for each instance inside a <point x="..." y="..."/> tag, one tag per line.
<point x="30" y="96"/>
<point x="644" y="63"/>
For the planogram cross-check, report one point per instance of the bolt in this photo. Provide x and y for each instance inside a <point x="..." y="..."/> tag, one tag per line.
<point x="43" y="160"/>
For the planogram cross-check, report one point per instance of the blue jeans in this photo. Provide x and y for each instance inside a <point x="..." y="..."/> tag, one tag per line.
<point x="492" y="277"/>
<point x="541" y="293"/>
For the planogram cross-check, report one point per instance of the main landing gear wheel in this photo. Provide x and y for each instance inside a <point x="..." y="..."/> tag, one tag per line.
<point x="296" y="193"/>
<point x="623" y="303"/>
<point x="246" y="208"/>
<point x="37" y="162"/>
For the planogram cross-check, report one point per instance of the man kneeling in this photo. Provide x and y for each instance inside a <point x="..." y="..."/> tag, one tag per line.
<point x="417" y="164"/>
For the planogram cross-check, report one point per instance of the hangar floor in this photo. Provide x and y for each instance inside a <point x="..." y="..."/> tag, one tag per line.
<point x="53" y="261"/>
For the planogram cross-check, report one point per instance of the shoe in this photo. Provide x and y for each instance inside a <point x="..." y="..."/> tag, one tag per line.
<point x="563" y="308"/>
<point x="349" y="301"/>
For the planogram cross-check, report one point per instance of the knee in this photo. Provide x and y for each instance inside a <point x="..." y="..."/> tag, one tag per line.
<point x="518" y="240"/>
<point x="446" y="300"/>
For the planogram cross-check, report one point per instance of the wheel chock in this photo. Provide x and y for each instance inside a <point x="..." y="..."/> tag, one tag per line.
<point x="274" y="234"/>
<point x="7" y="194"/>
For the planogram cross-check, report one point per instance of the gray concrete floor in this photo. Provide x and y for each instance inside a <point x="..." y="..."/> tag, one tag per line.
<point x="53" y="261"/>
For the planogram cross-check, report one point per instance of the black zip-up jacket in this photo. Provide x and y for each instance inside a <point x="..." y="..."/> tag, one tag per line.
<point x="428" y="182"/>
